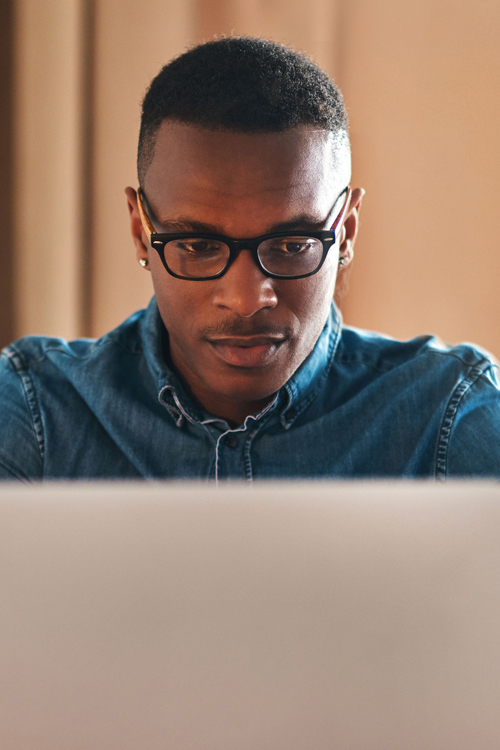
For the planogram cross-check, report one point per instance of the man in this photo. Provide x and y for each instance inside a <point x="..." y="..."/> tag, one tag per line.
<point x="240" y="368"/>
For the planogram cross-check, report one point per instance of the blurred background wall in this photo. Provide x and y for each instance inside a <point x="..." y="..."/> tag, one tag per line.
<point x="422" y="85"/>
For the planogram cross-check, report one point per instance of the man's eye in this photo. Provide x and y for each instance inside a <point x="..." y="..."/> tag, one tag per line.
<point x="198" y="247"/>
<point x="293" y="246"/>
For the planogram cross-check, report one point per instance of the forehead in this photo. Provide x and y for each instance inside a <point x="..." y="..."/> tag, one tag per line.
<point x="214" y="175"/>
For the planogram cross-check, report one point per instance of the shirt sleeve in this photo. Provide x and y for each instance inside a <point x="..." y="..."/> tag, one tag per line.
<point x="21" y="438"/>
<point x="474" y="443"/>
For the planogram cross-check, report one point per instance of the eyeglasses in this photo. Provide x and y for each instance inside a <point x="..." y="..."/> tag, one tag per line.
<point x="281" y="255"/>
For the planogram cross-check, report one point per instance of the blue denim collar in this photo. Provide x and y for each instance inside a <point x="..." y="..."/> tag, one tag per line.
<point x="306" y="382"/>
<point x="291" y="400"/>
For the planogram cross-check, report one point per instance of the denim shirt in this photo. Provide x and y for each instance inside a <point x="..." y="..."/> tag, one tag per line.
<point x="360" y="405"/>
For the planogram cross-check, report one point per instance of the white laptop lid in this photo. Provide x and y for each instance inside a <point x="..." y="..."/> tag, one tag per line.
<point x="311" y="616"/>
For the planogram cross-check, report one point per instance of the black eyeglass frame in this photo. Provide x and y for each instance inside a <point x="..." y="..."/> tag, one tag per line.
<point x="158" y="240"/>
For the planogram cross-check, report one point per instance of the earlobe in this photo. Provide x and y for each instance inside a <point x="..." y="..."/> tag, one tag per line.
<point x="344" y="272"/>
<point x="346" y="245"/>
<point x="136" y="228"/>
<point x="345" y="248"/>
<point x="346" y="254"/>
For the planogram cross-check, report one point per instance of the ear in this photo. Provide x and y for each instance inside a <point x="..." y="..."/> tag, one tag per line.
<point x="138" y="234"/>
<point x="349" y="229"/>
<point x="346" y="249"/>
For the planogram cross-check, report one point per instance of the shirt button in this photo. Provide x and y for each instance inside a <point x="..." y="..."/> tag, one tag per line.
<point x="231" y="441"/>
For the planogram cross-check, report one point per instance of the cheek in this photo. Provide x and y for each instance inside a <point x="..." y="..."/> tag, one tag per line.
<point x="315" y="297"/>
<point x="178" y="302"/>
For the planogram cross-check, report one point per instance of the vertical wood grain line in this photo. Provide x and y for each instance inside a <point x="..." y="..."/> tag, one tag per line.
<point x="87" y="170"/>
<point x="7" y="322"/>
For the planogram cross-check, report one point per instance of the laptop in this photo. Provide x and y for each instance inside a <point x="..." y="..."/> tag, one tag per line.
<point x="276" y="616"/>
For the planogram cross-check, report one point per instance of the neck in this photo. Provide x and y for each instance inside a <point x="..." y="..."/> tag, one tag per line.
<point x="234" y="412"/>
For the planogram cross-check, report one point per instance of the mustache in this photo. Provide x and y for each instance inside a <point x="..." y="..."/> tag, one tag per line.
<point x="234" y="328"/>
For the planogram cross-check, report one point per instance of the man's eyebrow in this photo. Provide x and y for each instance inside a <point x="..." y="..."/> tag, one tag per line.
<point x="303" y="221"/>
<point x="187" y="224"/>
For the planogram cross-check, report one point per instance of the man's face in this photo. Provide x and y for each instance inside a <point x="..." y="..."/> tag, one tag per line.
<point x="237" y="339"/>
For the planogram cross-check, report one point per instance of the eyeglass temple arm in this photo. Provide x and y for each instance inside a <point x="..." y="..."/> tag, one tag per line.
<point x="342" y="214"/>
<point x="146" y="222"/>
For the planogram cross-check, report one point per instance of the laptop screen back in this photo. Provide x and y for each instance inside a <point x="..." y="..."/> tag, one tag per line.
<point x="275" y="617"/>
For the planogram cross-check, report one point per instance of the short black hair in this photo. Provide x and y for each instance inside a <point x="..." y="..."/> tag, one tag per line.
<point x="242" y="84"/>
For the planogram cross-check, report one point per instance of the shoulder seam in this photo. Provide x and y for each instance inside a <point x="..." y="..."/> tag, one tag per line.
<point x="382" y="365"/>
<point x="444" y="435"/>
<point x="30" y="395"/>
<point x="12" y="351"/>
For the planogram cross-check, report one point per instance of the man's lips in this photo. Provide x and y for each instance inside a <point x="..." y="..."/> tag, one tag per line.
<point x="246" y="351"/>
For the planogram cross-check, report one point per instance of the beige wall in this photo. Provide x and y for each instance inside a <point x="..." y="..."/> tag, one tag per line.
<point x="49" y="102"/>
<point x="313" y="26"/>
<point x="6" y="172"/>
<point x="132" y="42"/>
<point x="422" y="81"/>
<point x="422" y="84"/>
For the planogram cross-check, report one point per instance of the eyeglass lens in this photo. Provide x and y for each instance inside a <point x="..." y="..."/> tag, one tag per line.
<point x="204" y="257"/>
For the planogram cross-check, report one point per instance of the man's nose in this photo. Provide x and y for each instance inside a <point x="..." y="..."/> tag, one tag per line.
<point x="244" y="289"/>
